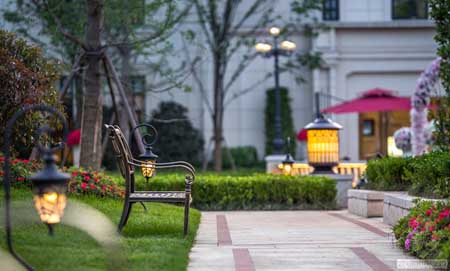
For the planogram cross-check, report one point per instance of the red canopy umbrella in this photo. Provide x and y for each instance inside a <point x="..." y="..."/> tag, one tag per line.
<point x="74" y="138"/>
<point x="374" y="100"/>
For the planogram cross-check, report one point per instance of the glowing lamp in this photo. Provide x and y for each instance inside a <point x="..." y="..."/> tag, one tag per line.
<point x="323" y="144"/>
<point x="148" y="158"/>
<point x="274" y="31"/>
<point x="148" y="165"/>
<point x="262" y="47"/>
<point x="288" y="162"/>
<point x="49" y="188"/>
<point x="288" y="45"/>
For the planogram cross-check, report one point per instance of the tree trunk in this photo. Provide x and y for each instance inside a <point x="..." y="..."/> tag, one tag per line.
<point x="91" y="123"/>
<point x="125" y="78"/>
<point x="218" y="112"/>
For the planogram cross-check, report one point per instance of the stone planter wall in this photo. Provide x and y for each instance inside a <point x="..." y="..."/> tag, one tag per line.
<point x="396" y="206"/>
<point x="365" y="203"/>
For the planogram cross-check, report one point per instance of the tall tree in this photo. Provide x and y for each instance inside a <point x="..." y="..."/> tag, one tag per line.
<point x="91" y="120"/>
<point x="229" y="27"/>
<point x="67" y="23"/>
<point x="227" y="33"/>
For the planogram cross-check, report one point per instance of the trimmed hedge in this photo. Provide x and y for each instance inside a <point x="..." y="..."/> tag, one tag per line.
<point x="387" y="174"/>
<point x="253" y="192"/>
<point x="429" y="175"/>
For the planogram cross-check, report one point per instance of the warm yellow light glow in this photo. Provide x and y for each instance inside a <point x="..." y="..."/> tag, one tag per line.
<point x="392" y="149"/>
<point x="263" y="47"/>
<point x="287" y="169"/>
<point x="50" y="207"/>
<point x="288" y="45"/>
<point x="323" y="146"/>
<point x="148" y="168"/>
<point x="274" y="31"/>
<point x="51" y="197"/>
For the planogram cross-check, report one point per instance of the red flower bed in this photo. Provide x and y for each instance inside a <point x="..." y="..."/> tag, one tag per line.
<point x="425" y="232"/>
<point x="82" y="182"/>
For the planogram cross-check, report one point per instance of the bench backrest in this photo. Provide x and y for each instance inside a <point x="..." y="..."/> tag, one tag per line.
<point x="123" y="154"/>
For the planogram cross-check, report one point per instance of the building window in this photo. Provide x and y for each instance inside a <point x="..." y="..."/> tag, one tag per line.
<point x="137" y="84"/>
<point x="409" y="9"/>
<point x="330" y="10"/>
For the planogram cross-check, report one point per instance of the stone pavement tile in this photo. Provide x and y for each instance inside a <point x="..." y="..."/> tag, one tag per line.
<point x="294" y="240"/>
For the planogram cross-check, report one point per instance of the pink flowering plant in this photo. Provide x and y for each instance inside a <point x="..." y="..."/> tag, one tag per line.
<point x="82" y="182"/>
<point x="21" y="170"/>
<point x="425" y="232"/>
<point x="85" y="182"/>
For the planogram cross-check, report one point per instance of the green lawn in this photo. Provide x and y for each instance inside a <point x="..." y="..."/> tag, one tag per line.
<point x="150" y="241"/>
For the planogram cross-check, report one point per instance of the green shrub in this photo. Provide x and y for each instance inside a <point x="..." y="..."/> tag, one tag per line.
<point x="26" y="78"/>
<point x="244" y="157"/>
<point x="20" y="171"/>
<point x="253" y="192"/>
<point x="178" y="139"/>
<point x="387" y="174"/>
<point x="425" y="232"/>
<point x="82" y="182"/>
<point x="429" y="175"/>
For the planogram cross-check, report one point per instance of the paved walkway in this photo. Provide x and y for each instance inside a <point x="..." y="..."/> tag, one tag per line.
<point x="292" y="240"/>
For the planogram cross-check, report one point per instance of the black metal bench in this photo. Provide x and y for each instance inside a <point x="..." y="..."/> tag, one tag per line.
<point x="127" y="164"/>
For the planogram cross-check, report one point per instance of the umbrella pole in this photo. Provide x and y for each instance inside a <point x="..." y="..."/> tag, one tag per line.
<point x="383" y="134"/>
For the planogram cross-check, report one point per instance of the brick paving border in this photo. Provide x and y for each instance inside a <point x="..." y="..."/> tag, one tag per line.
<point x="370" y="259"/>
<point x="242" y="260"/>
<point x="361" y="224"/>
<point x="223" y="233"/>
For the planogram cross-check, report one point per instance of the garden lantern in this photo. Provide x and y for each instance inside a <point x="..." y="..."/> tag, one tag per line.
<point x="49" y="187"/>
<point x="288" y="162"/>
<point x="323" y="144"/>
<point x="148" y="158"/>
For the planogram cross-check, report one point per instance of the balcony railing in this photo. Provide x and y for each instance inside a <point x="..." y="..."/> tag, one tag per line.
<point x="356" y="169"/>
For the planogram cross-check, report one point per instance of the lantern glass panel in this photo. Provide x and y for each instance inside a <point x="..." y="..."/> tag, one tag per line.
<point x="287" y="169"/>
<point x="323" y="146"/>
<point x="148" y="168"/>
<point x="50" y="205"/>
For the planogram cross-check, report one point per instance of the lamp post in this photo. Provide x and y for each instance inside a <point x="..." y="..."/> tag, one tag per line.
<point x="323" y="142"/>
<point x="268" y="50"/>
<point x="49" y="185"/>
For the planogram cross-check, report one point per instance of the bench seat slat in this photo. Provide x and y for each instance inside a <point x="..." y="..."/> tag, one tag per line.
<point x="162" y="196"/>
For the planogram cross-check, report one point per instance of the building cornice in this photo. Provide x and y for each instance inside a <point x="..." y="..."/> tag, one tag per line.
<point x="383" y="24"/>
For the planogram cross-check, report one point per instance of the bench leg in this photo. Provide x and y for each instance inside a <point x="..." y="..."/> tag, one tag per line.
<point x="186" y="214"/>
<point x="143" y="205"/>
<point x="125" y="214"/>
<point x="187" y="203"/>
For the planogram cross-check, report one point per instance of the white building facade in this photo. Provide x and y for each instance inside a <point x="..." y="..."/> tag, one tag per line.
<point x="369" y="44"/>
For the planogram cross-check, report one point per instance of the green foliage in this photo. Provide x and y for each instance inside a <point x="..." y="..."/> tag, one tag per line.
<point x="244" y="157"/>
<point x="440" y="10"/>
<point x="425" y="231"/>
<point x="26" y="77"/>
<point x="82" y="182"/>
<point x="152" y="240"/>
<point x="429" y="175"/>
<point x="387" y="174"/>
<point x="178" y="139"/>
<point x="287" y="124"/>
<point x="86" y="182"/>
<point x="20" y="171"/>
<point x="252" y="192"/>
